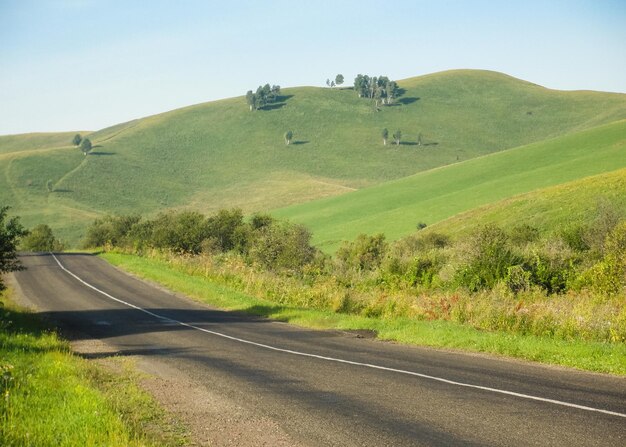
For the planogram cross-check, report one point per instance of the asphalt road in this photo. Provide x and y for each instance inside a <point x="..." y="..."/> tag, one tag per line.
<point x="327" y="387"/>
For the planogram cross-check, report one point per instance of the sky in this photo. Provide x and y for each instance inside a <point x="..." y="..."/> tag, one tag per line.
<point x="80" y="65"/>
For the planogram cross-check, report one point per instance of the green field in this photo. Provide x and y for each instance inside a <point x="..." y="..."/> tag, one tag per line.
<point x="548" y="209"/>
<point x="220" y="154"/>
<point x="396" y="207"/>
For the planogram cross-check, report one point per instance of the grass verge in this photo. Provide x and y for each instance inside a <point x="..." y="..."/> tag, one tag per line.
<point x="50" y="397"/>
<point x="590" y="356"/>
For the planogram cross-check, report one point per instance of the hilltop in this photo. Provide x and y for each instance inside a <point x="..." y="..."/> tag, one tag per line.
<point x="219" y="154"/>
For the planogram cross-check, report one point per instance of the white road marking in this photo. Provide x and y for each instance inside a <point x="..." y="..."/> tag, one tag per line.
<point x="337" y="360"/>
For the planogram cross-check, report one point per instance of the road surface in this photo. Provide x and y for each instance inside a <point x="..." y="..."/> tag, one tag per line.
<point x="319" y="388"/>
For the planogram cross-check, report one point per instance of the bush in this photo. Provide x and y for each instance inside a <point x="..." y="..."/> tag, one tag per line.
<point x="225" y="228"/>
<point x="364" y="254"/>
<point x="41" y="238"/>
<point x="181" y="232"/>
<point x="608" y="276"/>
<point x="110" y="230"/>
<point x="488" y="258"/>
<point x="282" y="246"/>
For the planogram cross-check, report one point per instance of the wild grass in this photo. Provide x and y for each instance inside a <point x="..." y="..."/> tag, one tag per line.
<point x="220" y="154"/>
<point x="53" y="398"/>
<point x="533" y="328"/>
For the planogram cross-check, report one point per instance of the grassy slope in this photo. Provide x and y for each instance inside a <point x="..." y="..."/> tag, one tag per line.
<point x="548" y="209"/>
<point x="219" y="154"/>
<point x="34" y="141"/>
<point x="396" y="207"/>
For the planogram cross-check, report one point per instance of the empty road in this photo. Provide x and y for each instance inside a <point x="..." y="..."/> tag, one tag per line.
<point x="315" y="388"/>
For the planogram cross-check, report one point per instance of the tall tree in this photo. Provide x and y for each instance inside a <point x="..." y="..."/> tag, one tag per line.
<point x="385" y="135"/>
<point x="251" y="100"/>
<point x="85" y="146"/>
<point x="10" y="233"/>
<point x="339" y="79"/>
<point x="397" y="136"/>
<point x="77" y="139"/>
<point x="288" y="137"/>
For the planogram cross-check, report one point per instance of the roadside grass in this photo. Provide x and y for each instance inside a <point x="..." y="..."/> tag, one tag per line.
<point x="219" y="154"/>
<point x="50" y="397"/>
<point x="586" y="355"/>
<point x="394" y="208"/>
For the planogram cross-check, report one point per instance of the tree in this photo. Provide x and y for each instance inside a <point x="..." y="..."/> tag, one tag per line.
<point x="397" y="136"/>
<point x="288" y="137"/>
<point x="264" y="95"/>
<point x="77" y="139"/>
<point x="85" y="146"/>
<point x="10" y="233"/>
<point x="41" y="238"/>
<point x="385" y="135"/>
<point x="251" y="100"/>
<point x="339" y="79"/>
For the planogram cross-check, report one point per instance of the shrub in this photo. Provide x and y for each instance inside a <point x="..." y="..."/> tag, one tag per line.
<point x="488" y="259"/>
<point x="41" y="238"/>
<point x="180" y="232"/>
<point x="365" y="253"/>
<point x="224" y="226"/>
<point x="110" y="230"/>
<point x="282" y="246"/>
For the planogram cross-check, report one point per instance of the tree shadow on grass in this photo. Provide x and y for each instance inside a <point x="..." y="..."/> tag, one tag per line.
<point x="102" y="153"/>
<point x="281" y="101"/>
<point x="407" y="101"/>
<point x="299" y="142"/>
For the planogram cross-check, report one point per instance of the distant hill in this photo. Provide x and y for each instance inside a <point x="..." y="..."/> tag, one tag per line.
<point x="220" y="154"/>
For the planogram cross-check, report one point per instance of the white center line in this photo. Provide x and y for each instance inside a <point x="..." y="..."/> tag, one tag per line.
<point x="338" y="360"/>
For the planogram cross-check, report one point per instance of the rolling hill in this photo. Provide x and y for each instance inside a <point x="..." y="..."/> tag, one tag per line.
<point x="396" y="207"/>
<point x="219" y="154"/>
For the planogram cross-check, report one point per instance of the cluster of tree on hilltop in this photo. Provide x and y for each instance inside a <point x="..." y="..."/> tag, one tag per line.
<point x="380" y="89"/>
<point x="264" y="95"/>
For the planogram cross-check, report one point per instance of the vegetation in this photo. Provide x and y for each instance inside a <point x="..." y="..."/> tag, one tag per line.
<point x="438" y="194"/>
<point x="53" y="398"/>
<point x="10" y="233"/>
<point x="380" y="89"/>
<point x="264" y="96"/>
<point x="288" y="137"/>
<point x="77" y="139"/>
<point x="497" y="279"/>
<point x="220" y="282"/>
<point x="85" y="146"/>
<point x="41" y="238"/>
<point x="198" y="158"/>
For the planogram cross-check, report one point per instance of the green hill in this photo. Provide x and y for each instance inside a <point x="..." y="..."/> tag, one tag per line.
<point x="396" y="207"/>
<point x="547" y="209"/>
<point x="219" y="154"/>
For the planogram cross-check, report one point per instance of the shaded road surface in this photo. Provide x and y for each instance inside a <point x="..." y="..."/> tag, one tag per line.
<point x="325" y="387"/>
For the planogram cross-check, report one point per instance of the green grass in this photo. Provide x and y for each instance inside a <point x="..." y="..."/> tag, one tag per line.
<point x="219" y="154"/>
<point x="592" y="356"/>
<point x="53" y="398"/>
<point x="549" y="209"/>
<point x="395" y="208"/>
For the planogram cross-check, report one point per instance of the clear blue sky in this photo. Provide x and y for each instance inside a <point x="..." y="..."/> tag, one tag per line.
<point x="88" y="64"/>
